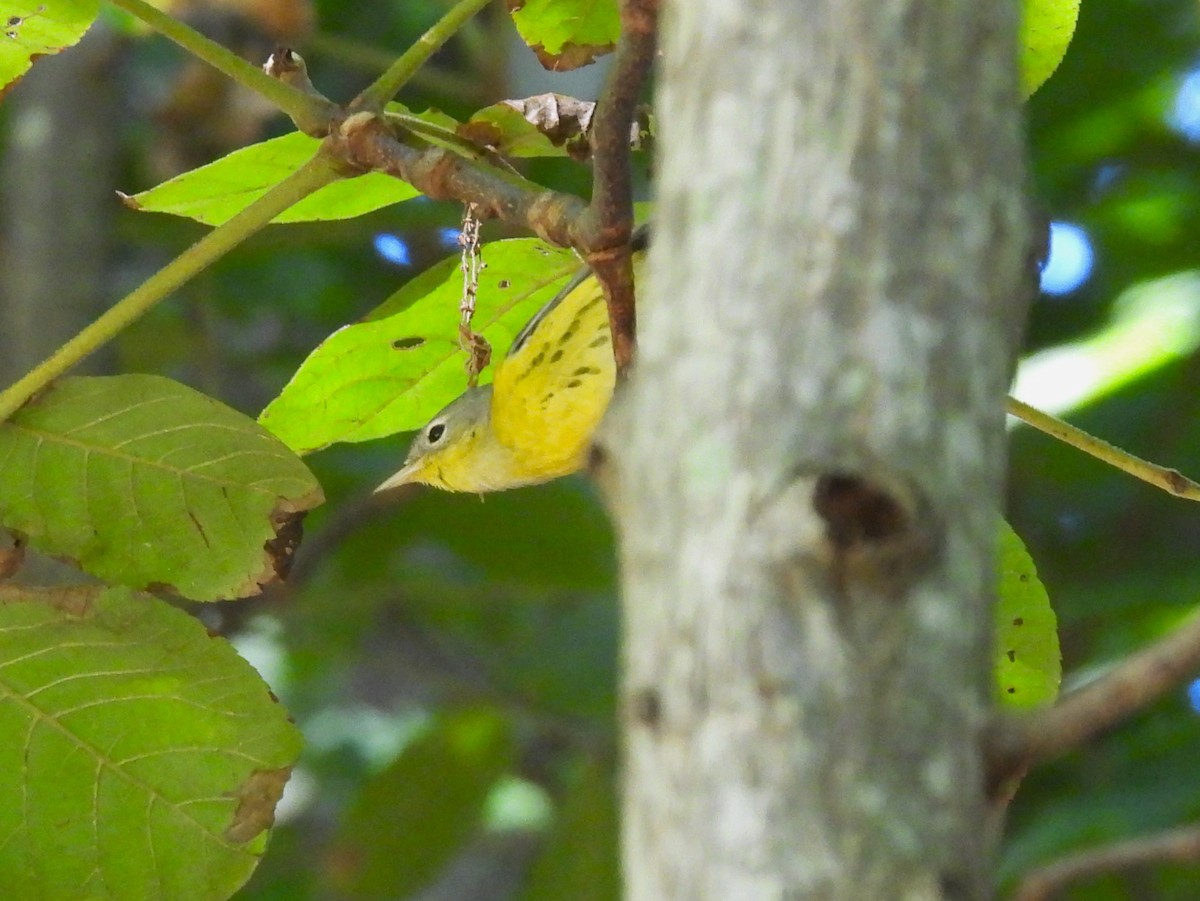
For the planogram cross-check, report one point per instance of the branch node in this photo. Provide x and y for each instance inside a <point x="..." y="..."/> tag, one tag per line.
<point x="288" y="66"/>
<point x="355" y="124"/>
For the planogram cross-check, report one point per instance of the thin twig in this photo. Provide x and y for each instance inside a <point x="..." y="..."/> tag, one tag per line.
<point x="1180" y="845"/>
<point x="358" y="55"/>
<point x="1011" y="745"/>
<point x="310" y="113"/>
<point x="1169" y="480"/>
<point x="384" y="88"/>
<point x="604" y="230"/>
<point x="310" y="177"/>
<point x="288" y="66"/>
<point x="439" y="134"/>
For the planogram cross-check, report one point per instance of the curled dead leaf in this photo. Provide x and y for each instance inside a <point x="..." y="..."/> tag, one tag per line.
<point x="557" y="116"/>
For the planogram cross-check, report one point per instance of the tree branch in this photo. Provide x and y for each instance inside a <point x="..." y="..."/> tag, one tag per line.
<point x="1012" y="745"/>
<point x="398" y="73"/>
<point x="1181" y="845"/>
<point x="1169" y="480"/>
<point x="605" y="228"/>
<point x="313" y="175"/>
<point x="310" y="113"/>
<point x="365" y="142"/>
<point x="355" y="54"/>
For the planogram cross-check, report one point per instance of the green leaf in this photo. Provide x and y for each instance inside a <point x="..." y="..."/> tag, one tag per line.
<point x="32" y="29"/>
<point x="1029" y="665"/>
<point x="1046" y="30"/>
<point x="140" y="757"/>
<point x="214" y="193"/>
<point x="567" y="34"/>
<point x="144" y="481"/>
<point x="545" y="125"/>
<point x="394" y="371"/>
<point x="581" y="858"/>
<point x="431" y="798"/>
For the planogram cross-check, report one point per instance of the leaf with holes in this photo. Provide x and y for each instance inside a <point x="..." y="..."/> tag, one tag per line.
<point x="394" y="371"/>
<point x="1029" y="665"/>
<point x="144" y="482"/>
<point x="567" y="34"/>
<point x="33" y="28"/>
<point x="140" y="757"/>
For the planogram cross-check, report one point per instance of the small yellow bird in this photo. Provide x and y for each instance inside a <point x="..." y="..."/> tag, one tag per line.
<point x="535" y="421"/>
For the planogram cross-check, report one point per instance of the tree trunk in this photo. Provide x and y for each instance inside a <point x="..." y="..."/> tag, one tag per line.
<point x="56" y="231"/>
<point x="807" y="462"/>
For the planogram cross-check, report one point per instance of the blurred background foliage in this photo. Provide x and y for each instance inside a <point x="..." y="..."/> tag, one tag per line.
<point x="452" y="661"/>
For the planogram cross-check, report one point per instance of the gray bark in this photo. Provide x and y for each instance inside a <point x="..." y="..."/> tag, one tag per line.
<point x="807" y="462"/>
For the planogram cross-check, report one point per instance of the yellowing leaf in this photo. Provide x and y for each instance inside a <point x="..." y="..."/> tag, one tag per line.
<point x="1046" y="30"/>
<point x="1028" y="664"/>
<point x="33" y="28"/>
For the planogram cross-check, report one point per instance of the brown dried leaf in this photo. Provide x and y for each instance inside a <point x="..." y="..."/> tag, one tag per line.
<point x="572" y="56"/>
<point x="257" y="797"/>
<point x="12" y="555"/>
<point x="533" y="126"/>
<point x="557" y="116"/>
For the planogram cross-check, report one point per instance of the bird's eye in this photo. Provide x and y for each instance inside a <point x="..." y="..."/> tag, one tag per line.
<point x="435" y="433"/>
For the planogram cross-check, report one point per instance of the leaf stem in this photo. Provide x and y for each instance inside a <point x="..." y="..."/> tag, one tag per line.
<point x="398" y="73"/>
<point x="1169" y="480"/>
<point x="436" y="133"/>
<point x="445" y="137"/>
<point x="310" y="113"/>
<point x="314" y="174"/>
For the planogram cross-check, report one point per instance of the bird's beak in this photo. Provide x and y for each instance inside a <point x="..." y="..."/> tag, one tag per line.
<point x="403" y="477"/>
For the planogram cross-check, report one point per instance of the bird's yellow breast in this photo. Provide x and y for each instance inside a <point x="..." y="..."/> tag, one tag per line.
<point x="547" y="399"/>
<point x="552" y="391"/>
